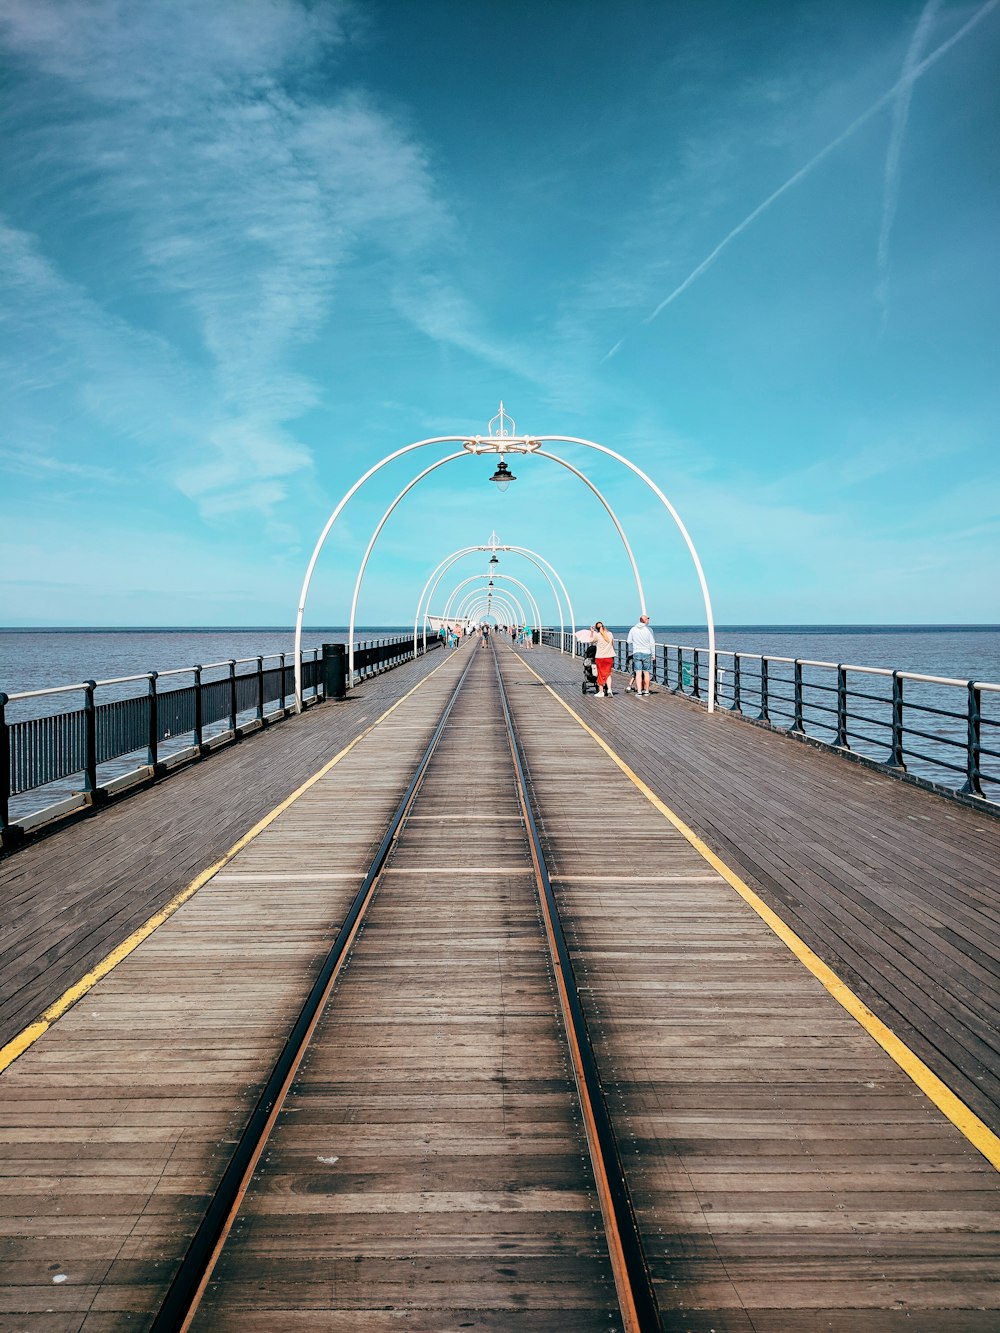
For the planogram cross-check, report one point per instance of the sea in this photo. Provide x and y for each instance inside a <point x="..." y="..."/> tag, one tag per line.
<point x="46" y="659"/>
<point x="37" y="659"/>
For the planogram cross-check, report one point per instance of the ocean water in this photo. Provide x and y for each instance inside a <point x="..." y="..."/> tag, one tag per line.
<point x="32" y="659"/>
<point x="39" y="659"/>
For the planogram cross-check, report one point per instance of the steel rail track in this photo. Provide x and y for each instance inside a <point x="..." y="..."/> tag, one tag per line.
<point x="184" y="1294"/>
<point x="636" y="1295"/>
<point x="632" y="1280"/>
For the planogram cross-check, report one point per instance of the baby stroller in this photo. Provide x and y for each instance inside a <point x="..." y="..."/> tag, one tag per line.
<point x="589" y="684"/>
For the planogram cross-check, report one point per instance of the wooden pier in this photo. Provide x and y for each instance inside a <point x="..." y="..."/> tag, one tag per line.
<point x="787" y="966"/>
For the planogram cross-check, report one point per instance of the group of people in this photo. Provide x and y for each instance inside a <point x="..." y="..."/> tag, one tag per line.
<point x="519" y="634"/>
<point x="641" y="647"/>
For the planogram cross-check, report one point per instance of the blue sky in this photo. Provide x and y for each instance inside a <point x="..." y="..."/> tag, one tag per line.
<point x="249" y="247"/>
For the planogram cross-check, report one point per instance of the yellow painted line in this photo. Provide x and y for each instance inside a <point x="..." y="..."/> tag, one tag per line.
<point x="29" y="1035"/>
<point x="965" y="1120"/>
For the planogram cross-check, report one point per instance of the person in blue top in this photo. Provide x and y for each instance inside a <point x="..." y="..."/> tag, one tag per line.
<point x="642" y="646"/>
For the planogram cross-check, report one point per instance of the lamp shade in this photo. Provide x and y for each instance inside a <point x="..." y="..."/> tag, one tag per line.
<point x="503" y="476"/>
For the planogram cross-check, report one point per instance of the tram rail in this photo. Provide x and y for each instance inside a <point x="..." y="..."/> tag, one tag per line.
<point x="635" y="1294"/>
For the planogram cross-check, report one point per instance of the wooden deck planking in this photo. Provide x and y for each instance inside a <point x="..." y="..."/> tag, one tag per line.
<point x="897" y="889"/>
<point x="429" y="1162"/>
<point x="742" y="1126"/>
<point x="67" y="900"/>
<point x="787" y="1174"/>
<point x="152" y="1074"/>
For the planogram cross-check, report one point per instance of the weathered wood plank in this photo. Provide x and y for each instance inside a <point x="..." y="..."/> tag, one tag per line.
<point x="767" y="1134"/>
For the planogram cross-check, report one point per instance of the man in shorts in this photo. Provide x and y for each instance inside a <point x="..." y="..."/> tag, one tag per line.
<point x="642" y="646"/>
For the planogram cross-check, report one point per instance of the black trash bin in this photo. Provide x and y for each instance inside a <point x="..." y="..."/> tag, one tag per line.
<point x="335" y="670"/>
<point x="536" y="636"/>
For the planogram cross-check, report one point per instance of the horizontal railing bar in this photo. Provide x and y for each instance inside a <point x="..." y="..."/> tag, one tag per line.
<point x="53" y="689"/>
<point x="912" y="706"/>
<point x="937" y="740"/>
<point x="931" y="680"/>
<point x="124" y="680"/>
<point x="933" y="763"/>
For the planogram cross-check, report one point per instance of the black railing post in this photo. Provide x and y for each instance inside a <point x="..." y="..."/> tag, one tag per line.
<point x="764" y="714"/>
<point x="283" y="691"/>
<point x="895" y="759"/>
<point x="4" y="766"/>
<point x="736" y="683"/>
<point x="260" y="689"/>
<point x="973" y="748"/>
<point x="841" y="739"/>
<point x="797" y="721"/>
<point x="680" y="671"/>
<point x="153" y="739"/>
<point x="232" y="695"/>
<point x="199" y="710"/>
<point x="696" y="674"/>
<point x="89" y="738"/>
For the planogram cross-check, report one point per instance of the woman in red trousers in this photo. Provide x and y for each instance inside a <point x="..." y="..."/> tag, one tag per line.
<point x="605" y="657"/>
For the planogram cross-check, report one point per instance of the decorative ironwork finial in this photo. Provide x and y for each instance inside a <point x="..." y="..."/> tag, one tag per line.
<point x="501" y="422"/>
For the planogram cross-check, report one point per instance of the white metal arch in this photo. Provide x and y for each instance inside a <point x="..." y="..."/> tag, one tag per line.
<point x="532" y="604"/>
<point x="506" y="600"/>
<point x="538" y="561"/>
<point x="710" y="619"/>
<point x="473" y="578"/>
<point x="406" y="489"/>
<point x="361" y="571"/>
<point x="614" y="519"/>
<point x="503" y="443"/>
<point x="457" y="555"/>
<point x="502" y="597"/>
<point x="440" y="463"/>
<point x="484" y="608"/>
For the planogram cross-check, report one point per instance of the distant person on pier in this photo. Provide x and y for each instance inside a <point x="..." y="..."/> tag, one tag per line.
<point x="642" y="646"/>
<point x="604" y="660"/>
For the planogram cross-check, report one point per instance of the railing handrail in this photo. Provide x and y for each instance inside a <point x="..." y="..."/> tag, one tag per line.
<point x="165" y="726"/>
<point x="803" y="705"/>
<point x="835" y="666"/>
<point x="145" y="675"/>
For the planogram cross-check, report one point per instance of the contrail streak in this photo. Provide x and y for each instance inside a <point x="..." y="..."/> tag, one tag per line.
<point x="894" y="153"/>
<point x="902" y="85"/>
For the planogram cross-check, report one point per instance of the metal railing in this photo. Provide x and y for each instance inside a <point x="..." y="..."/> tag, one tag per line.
<point x="380" y="654"/>
<point x="131" y="726"/>
<point x="938" y="730"/>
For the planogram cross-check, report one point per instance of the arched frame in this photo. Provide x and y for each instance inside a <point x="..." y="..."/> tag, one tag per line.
<point x="478" y="578"/>
<point x="385" y="517"/>
<point x="503" y="443"/>
<point x="438" y="573"/>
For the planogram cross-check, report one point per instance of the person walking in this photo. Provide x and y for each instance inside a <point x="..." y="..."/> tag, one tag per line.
<point x="605" y="657"/>
<point x="642" y="646"/>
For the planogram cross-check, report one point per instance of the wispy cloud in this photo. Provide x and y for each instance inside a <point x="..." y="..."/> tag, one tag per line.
<point x="36" y="464"/>
<point x="444" y="314"/>
<point x="215" y="185"/>
<point x="903" y="85"/>
<point x="894" y="152"/>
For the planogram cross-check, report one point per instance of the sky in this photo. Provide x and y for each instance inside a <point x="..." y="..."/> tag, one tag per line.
<point x="250" y="248"/>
